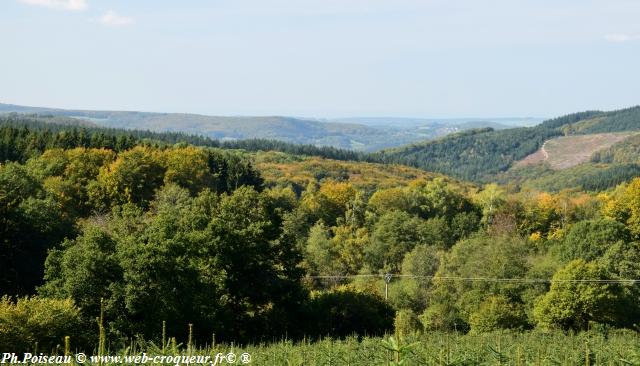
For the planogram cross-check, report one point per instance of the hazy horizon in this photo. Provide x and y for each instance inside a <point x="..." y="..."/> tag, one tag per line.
<point x="388" y="119"/>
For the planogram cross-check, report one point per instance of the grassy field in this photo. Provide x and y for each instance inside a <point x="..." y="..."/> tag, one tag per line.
<point x="568" y="151"/>
<point x="511" y="348"/>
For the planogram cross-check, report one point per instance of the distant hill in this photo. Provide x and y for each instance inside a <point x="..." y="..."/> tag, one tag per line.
<point x="293" y="130"/>
<point x="461" y="123"/>
<point x="480" y="155"/>
<point x="365" y="134"/>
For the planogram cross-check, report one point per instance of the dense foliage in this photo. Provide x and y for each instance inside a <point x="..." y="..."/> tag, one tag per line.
<point x="592" y="177"/>
<point x="473" y="155"/>
<point x="24" y="136"/>
<point x="153" y="232"/>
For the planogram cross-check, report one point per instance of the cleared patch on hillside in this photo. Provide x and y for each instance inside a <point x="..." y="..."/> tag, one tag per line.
<point x="568" y="151"/>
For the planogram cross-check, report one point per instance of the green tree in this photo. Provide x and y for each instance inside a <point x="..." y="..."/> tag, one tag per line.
<point x="437" y="198"/>
<point x="30" y="224"/>
<point x="343" y="312"/>
<point x="589" y="240"/>
<point x="321" y="256"/>
<point x="132" y="178"/>
<point x="189" y="168"/>
<point x="621" y="261"/>
<point x="573" y="302"/>
<point x="497" y="312"/>
<point x="215" y="261"/>
<point x="395" y="234"/>
<point x="384" y="200"/>
<point x="490" y="199"/>
<point x="486" y="257"/>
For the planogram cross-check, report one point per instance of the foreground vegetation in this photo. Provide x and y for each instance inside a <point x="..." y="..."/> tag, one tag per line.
<point x="511" y="348"/>
<point x="596" y="347"/>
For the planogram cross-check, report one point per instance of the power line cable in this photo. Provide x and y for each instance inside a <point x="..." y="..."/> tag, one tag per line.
<point x="389" y="276"/>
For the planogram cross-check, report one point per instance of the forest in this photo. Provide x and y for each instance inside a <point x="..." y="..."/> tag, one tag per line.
<point x="22" y="136"/>
<point x="484" y="154"/>
<point x="152" y="235"/>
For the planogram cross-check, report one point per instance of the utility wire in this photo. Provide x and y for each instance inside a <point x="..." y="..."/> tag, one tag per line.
<point x="477" y="279"/>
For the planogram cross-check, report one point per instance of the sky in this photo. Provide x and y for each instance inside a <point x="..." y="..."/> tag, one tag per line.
<point x="323" y="58"/>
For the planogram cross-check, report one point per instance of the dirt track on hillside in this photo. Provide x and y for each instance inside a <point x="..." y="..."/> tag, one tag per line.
<point x="568" y="151"/>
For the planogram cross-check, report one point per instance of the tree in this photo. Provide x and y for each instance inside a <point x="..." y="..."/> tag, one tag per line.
<point x="621" y="262"/>
<point x="407" y="323"/>
<point x="395" y="234"/>
<point x="338" y="254"/>
<point x="87" y="270"/>
<point x="30" y="224"/>
<point x="490" y="199"/>
<point x="589" y="240"/>
<point x="132" y="178"/>
<point x="211" y="260"/>
<point x="478" y="257"/>
<point x="626" y="207"/>
<point x="540" y="215"/>
<point x="573" y="302"/>
<point x="189" y="168"/>
<point x="320" y="255"/>
<point x="497" y="312"/>
<point x="414" y="293"/>
<point x="384" y="200"/>
<point x="438" y="199"/>
<point x="343" y="312"/>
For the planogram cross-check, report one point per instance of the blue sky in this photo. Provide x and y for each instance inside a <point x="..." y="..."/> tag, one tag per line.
<point x="323" y="58"/>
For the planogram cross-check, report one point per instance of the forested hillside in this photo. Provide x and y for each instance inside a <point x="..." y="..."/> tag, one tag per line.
<point x="474" y="155"/>
<point x="22" y="136"/>
<point x="622" y="120"/>
<point x="351" y="136"/>
<point x="481" y="154"/>
<point x="592" y="177"/>
<point x="135" y="232"/>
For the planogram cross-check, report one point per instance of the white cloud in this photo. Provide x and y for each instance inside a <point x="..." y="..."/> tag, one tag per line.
<point x="113" y="19"/>
<point x="622" y="37"/>
<point x="75" y="5"/>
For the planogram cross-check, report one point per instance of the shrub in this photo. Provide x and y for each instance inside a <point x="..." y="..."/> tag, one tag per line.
<point x="497" y="312"/>
<point x="442" y="317"/>
<point x="407" y="323"/>
<point x="36" y="319"/>
<point x="342" y="312"/>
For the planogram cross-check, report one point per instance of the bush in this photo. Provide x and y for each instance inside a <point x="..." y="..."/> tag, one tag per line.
<point x="343" y="312"/>
<point x="42" y="320"/>
<point x="407" y="323"/>
<point x="442" y="317"/>
<point x="497" y="312"/>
